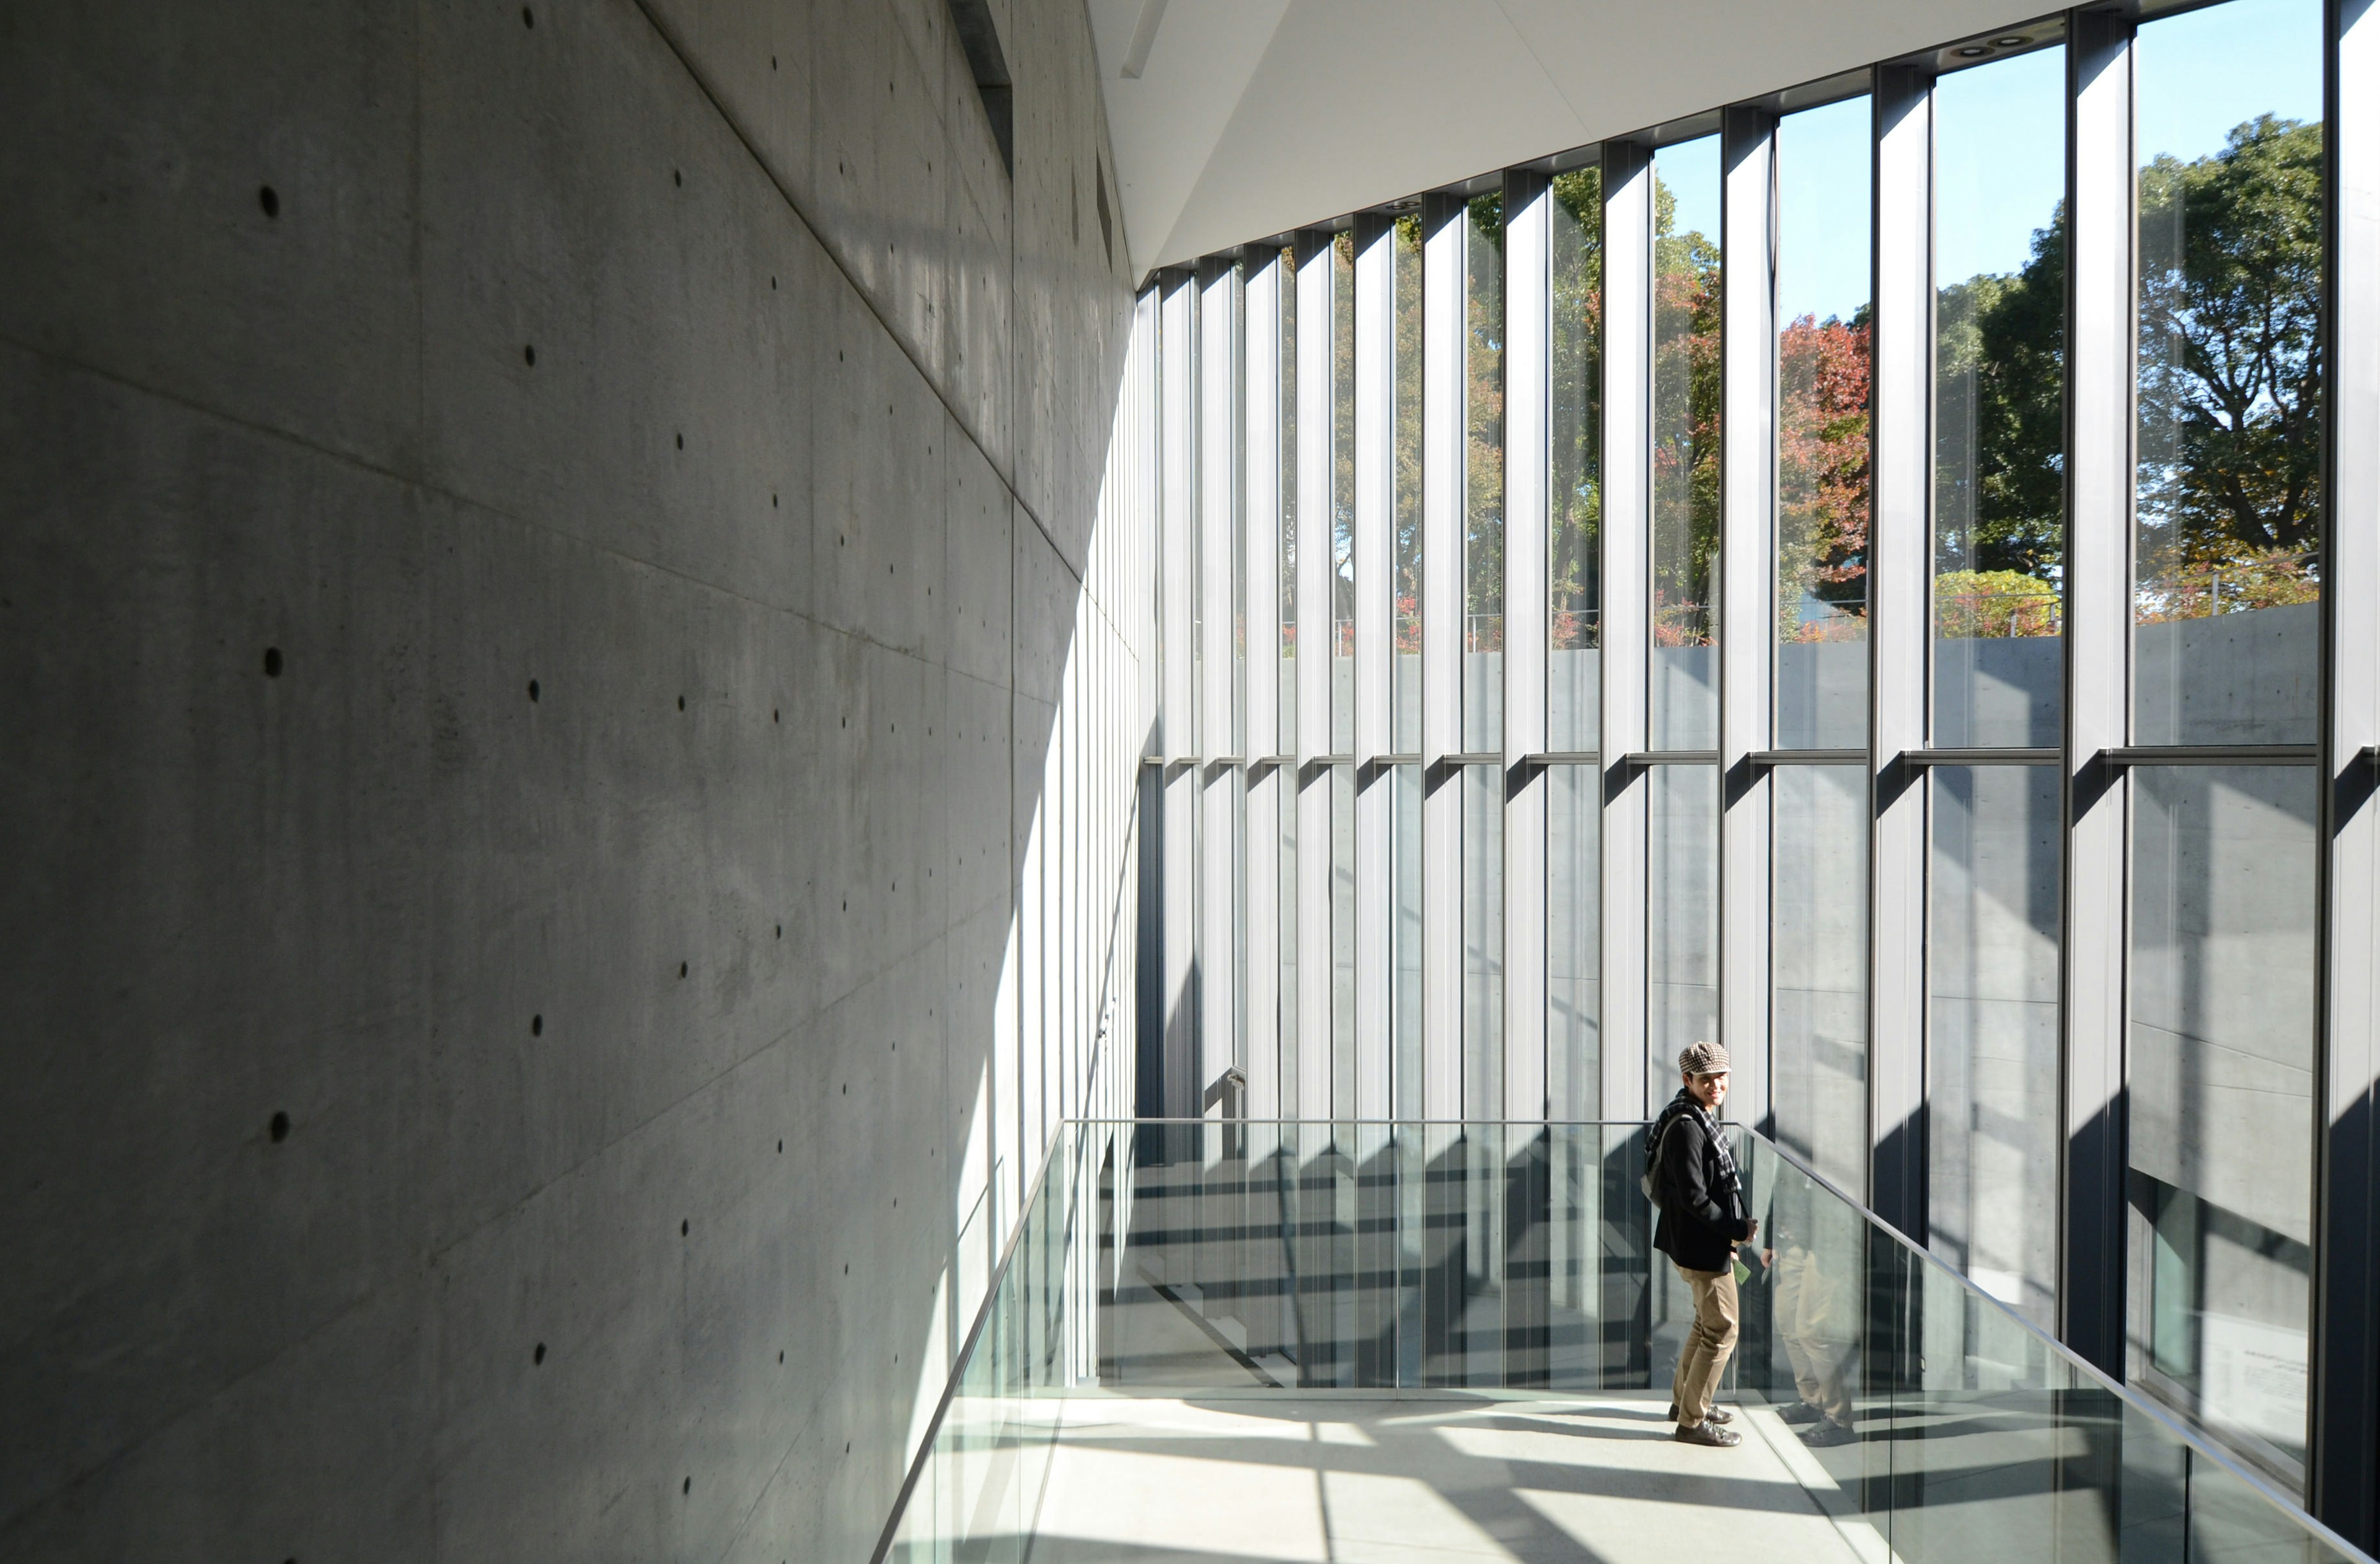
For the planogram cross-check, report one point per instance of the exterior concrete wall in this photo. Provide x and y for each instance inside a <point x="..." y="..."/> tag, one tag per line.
<point x="569" y="753"/>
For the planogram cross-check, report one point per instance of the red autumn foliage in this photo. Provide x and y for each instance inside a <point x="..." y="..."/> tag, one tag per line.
<point x="1824" y="372"/>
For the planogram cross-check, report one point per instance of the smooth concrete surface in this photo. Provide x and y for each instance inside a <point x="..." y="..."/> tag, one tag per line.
<point x="1418" y="1480"/>
<point x="547" y="578"/>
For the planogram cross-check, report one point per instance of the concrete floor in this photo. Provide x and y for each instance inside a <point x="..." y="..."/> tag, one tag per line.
<point x="1421" y="1481"/>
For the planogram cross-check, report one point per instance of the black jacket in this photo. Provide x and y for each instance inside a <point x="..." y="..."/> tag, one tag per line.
<point x="1700" y="1215"/>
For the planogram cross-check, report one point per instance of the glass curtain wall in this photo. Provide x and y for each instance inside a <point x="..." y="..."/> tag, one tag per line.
<point x="2226" y="651"/>
<point x="1574" y="654"/>
<point x="1819" y="813"/>
<point x="1997" y="674"/>
<point x="1682" y="907"/>
<point x="2215" y="794"/>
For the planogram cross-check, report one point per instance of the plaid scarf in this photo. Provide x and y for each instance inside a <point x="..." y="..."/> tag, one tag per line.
<point x="1684" y="1103"/>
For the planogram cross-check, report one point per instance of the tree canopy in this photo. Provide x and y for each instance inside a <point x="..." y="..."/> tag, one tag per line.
<point x="2231" y="369"/>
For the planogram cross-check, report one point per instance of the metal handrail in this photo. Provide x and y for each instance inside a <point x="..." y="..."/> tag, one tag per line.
<point x="2123" y="1393"/>
<point x="2125" y="1396"/>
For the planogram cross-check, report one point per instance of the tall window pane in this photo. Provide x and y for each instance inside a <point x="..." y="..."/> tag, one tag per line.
<point x="1574" y="941"/>
<point x="1574" y="492"/>
<point x="2230" y="444"/>
<point x="1574" y="675"/>
<point x="1194" y="722"/>
<point x="1342" y="945"/>
<point x="1824" y="219"/>
<point x="1992" y="1076"/>
<point x="2221" y="1077"/>
<point x="1237" y="437"/>
<point x="1405" y="504"/>
<point x="2000" y="401"/>
<point x="1482" y="476"/>
<point x="1405" y="941"/>
<point x="1483" y="942"/>
<point x="1685" y="446"/>
<point x="1284" y="740"/>
<point x="1818" y="903"/>
<point x="1342" y="496"/>
<point x="1287" y="953"/>
<point x="1680" y="916"/>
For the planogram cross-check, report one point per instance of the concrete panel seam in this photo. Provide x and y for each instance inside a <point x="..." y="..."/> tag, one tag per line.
<point x="423" y="486"/>
<point x="719" y="106"/>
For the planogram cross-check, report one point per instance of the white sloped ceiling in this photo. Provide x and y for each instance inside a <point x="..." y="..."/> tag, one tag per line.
<point x="1252" y="116"/>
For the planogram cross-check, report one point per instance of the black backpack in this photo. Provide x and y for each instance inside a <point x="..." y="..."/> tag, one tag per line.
<point x="1647" y="1183"/>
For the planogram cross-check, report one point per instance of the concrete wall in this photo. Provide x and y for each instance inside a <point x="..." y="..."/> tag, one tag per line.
<point x="560" y="679"/>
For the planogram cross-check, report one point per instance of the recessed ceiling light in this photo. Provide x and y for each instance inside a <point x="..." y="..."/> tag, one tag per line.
<point x="2010" y="41"/>
<point x="1974" y="52"/>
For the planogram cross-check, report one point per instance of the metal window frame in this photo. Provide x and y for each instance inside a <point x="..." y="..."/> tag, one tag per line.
<point x="1218" y="510"/>
<point x="1444" y="307"/>
<point x="1376" y="466"/>
<point x="1176" y="480"/>
<point x="1746" y="594"/>
<point x="1528" y="368"/>
<point x="2102" y="226"/>
<point x="1317" y="323"/>
<point x="1626" y="618"/>
<point x="1900" y="552"/>
<point x="1261" y="305"/>
<point x="2343" y="1458"/>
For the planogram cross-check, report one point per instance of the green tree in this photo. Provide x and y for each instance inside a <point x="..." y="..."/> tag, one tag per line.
<point x="2230" y="390"/>
<point x="1686" y="301"/>
<point x="2000" y="500"/>
<point x="1574" y="539"/>
<point x="2231" y="373"/>
<point x="1483" y="531"/>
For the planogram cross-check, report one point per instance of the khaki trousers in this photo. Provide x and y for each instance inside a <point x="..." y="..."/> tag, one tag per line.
<point x="1710" y="1341"/>
<point x="1822" y="1372"/>
<point x="1821" y="1367"/>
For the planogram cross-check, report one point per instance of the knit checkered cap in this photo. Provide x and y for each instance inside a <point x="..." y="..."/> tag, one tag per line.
<point x="1704" y="1058"/>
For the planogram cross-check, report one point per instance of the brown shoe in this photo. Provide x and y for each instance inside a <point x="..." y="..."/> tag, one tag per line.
<point x="1715" y="1414"/>
<point x="1705" y="1433"/>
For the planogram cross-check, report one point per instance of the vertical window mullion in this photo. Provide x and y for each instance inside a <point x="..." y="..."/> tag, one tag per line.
<point x="1901" y="556"/>
<point x="1261" y="517"/>
<point x="2100" y="337"/>
<point x="1441" y="632"/>
<point x="1176" y="520"/>
<point x="1317" y="321"/>
<point x="1627" y="584"/>
<point x="2346" y="1424"/>
<point x="1527" y="370"/>
<point x="1218" y="503"/>
<point x="1748" y="604"/>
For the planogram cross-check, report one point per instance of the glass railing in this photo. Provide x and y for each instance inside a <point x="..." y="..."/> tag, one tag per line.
<point x="1299" y="1259"/>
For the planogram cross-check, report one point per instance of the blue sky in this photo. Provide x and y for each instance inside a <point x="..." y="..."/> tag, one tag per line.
<point x="1822" y="218"/>
<point x="2001" y="146"/>
<point x="2204" y="72"/>
<point x="1690" y="172"/>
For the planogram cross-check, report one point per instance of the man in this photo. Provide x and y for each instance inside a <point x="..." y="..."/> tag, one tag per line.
<point x="1701" y="1196"/>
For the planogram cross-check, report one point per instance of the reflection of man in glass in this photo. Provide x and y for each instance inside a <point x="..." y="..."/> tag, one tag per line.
<point x="1695" y="1181"/>
<point x="1817" y="1318"/>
